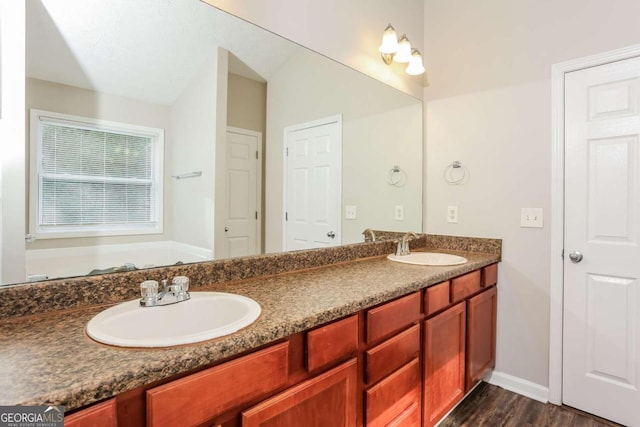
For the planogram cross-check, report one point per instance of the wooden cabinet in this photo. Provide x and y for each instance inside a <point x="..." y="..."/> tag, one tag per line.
<point x="392" y="367"/>
<point x="396" y="399"/>
<point x="444" y="362"/>
<point x="326" y="400"/>
<point x="459" y="342"/>
<point x="481" y="335"/>
<point x="392" y="317"/>
<point x="204" y="395"/>
<point x="392" y="354"/>
<point x="404" y="363"/>
<point x="100" y="415"/>
<point x="332" y="343"/>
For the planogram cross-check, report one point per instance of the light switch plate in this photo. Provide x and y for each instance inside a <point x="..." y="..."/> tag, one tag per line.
<point x="350" y="212"/>
<point x="452" y="214"/>
<point x="531" y="217"/>
<point x="399" y="213"/>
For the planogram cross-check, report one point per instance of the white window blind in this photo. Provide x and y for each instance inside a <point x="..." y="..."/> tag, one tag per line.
<point x="95" y="178"/>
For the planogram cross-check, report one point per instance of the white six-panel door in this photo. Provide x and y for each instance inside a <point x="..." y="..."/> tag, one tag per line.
<point x="313" y="184"/>
<point x="601" y="333"/>
<point x="241" y="222"/>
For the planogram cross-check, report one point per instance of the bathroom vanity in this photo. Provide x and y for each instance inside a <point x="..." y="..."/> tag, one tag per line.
<point x="362" y="342"/>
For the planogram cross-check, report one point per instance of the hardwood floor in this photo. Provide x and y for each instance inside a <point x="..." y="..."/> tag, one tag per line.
<point x="490" y="405"/>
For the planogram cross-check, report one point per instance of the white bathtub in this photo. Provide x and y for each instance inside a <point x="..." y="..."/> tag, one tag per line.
<point x="67" y="262"/>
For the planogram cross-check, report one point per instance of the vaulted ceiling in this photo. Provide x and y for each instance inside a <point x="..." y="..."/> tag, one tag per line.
<point x="142" y="49"/>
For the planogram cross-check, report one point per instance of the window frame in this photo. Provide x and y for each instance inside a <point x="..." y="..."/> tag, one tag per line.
<point x="35" y="176"/>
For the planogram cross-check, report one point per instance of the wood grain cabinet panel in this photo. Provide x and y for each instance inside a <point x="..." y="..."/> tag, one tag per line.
<point x="326" y="400"/>
<point x="489" y="275"/>
<point x="465" y="286"/>
<point x="100" y="415"/>
<point x="444" y="362"/>
<point x="204" y="395"/>
<point x="481" y="335"/>
<point x="436" y="298"/>
<point x="392" y="316"/>
<point x="332" y="343"/>
<point x="392" y="354"/>
<point x="388" y="400"/>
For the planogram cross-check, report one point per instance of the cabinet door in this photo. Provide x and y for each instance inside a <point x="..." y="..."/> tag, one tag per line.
<point x="481" y="338"/>
<point x="326" y="400"/>
<point x="444" y="362"/>
<point x="100" y="415"/>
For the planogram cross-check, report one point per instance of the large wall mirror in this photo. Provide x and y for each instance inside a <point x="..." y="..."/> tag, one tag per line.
<point x="163" y="132"/>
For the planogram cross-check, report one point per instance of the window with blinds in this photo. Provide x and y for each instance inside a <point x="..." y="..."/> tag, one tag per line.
<point x="96" y="178"/>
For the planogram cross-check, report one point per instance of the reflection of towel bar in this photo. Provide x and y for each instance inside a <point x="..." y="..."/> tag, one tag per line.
<point x="187" y="175"/>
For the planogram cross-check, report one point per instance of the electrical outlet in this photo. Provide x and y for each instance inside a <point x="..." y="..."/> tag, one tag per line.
<point x="452" y="214"/>
<point x="350" y="212"/>
<point x="399" y="213"/>
<point x="531" y="217"/>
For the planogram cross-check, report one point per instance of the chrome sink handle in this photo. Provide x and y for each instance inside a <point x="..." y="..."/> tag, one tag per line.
<point x="176" y="292"/>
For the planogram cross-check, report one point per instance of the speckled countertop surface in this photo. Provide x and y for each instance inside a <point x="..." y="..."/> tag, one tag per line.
<point x="48" y="359"/>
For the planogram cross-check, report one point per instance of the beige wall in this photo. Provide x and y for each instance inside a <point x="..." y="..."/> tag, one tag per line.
<point x="247" y="103"/>
<point x="381" y="127"/>
<point x="59" y="98"/>
<point x="489" y="106"/>
<point x="347" y="31"/>
<point x="193" y="128"/>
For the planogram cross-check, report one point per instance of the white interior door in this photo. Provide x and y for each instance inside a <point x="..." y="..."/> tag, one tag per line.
<point x="313" y="184"/>
<point x="601" y="336"/>
<point x="242" y="216"/>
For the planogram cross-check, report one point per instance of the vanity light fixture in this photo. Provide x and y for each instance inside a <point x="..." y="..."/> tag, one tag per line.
<point x="394" y="50"/>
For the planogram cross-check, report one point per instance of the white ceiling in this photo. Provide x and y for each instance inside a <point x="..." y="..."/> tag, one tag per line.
<point x="143" y="49"/>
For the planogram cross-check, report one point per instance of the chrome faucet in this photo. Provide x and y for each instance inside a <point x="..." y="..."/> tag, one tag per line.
<point x="403" y="244"/>
<point x="176" y="292"/>
<point x="370" y="231"/>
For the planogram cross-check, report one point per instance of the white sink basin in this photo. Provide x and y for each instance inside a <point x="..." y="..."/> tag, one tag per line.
<point x="205" y="316"/>
<point x="428" y="258"/>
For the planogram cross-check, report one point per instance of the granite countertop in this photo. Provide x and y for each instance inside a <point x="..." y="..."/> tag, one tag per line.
<point x="48" y="359"/>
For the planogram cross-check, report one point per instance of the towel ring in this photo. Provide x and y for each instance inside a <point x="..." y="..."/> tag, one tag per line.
<point x="397" y="177"/>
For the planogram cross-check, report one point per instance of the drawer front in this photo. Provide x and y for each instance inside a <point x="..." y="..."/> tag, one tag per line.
<point x="100" y="415"/>
<point x="490" y="275"/>
<point x="393" y="353"/>
<point x="390" y="398"/>
<point x="436" y="297"/>
<point x="463" y="286"/>
<point x="204" y="395"/>
<point x="392" y="316"/>
<point x="332" y="343"/>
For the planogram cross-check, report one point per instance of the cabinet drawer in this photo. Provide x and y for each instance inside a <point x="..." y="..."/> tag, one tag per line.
<point x="385" y="358"/>
<point x="100" y="415"/>
<point x="332" y="343"/>
<point x="392" y="316"/>
<point x="204" y="395"/>
<point x="436" y="297"/>
<point x="391" y="397"/>
<point x="463" y="286"/>
<point x="490" y="275"/>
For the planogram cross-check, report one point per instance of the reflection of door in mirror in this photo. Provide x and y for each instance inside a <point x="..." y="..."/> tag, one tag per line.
<point x="313" y="192"/>
<point x="243" y="193"/>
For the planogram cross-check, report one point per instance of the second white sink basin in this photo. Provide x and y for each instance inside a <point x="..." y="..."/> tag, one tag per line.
<point x="428" y="258"/>
<point x="205" y="316"/>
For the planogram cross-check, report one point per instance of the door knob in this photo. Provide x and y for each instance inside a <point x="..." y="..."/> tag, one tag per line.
<point x="331" y="234"/>
<point x="575" y="256"/>
<point x="226" y="229"/>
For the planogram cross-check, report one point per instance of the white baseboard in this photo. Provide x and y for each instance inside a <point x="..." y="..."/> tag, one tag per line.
<point x="519" y="385"/>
